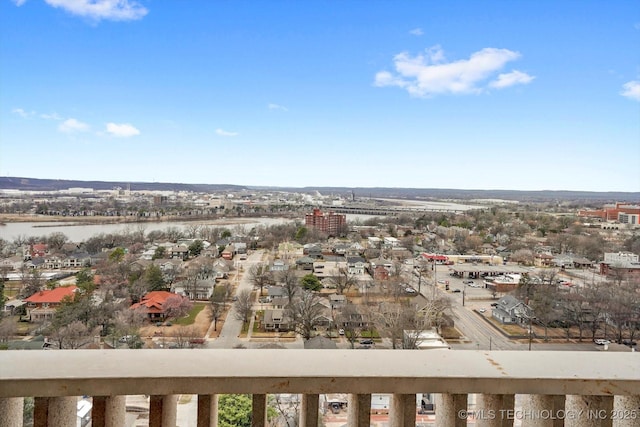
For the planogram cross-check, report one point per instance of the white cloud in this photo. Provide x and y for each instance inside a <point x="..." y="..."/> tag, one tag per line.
<point x="277" y="107"/>
<point x="416" y="32"/>
<point x="513" y="78"/>
<point x="72" y="126"/>
<point x="430" y="74"/>
<point x="22" y="113"/>
<point x="222" y="132"/>
<point x="122" y="130"/>
<point x="114" y="10"/>
<point x="631" y="90"/>
<point x="52" y="116"/>
<point x="19" y="2"/>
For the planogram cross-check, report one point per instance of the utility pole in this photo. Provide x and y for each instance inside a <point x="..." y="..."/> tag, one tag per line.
<point x="530" y="333"/>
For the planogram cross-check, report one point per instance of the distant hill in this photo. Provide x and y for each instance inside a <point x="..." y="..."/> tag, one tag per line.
<point x="34" y="184"/>
<point x="459" y="194"/>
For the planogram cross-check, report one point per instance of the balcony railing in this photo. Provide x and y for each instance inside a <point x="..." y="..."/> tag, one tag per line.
<point x="570" y="388"/>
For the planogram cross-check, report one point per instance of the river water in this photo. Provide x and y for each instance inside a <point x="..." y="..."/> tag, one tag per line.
<point x="78" y="232"/>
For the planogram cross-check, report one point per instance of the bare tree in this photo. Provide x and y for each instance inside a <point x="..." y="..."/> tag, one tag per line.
<point x="184" y="335"/>
<point x="73" y="335"/>
<point x="343" y="281"/>
<point x="32" y="282"/>
<point x="544" y="303"/>
<point x="306" y="312"/>
<point x="244" y="305"/>
<point x="260" y="276"/>
<point x="8" y="329"/>
<point x="404" y="322"/>
<point x="290" y="283"/>
<point x="217" y="304"/>
<point x="177" y="306"/>
<point x="351" y="320"/>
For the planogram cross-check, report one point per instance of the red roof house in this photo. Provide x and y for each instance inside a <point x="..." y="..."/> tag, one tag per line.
<point x="154" y="304"/>
<point x="42" y="305"/>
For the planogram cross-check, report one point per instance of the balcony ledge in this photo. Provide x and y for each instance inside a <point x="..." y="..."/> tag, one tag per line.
<point x="198" y="371"/>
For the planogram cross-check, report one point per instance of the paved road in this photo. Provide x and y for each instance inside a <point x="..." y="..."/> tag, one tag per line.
<point x="229" y="335"/>
<point x="478" y="334"/>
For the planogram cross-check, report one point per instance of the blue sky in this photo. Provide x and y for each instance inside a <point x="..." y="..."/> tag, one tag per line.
<point x="522" y="95"/>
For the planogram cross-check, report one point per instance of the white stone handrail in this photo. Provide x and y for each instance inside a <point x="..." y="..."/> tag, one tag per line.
<point x="589" y="379"/>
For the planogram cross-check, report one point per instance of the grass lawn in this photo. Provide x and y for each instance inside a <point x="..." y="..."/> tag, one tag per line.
<point x="191" y="317"/>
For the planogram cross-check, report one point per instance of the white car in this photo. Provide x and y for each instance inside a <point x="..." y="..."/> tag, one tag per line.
<point x="410" y="290"/>
<point x="599" y="341"/>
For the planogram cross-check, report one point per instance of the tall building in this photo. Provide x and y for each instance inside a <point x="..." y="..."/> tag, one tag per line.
<point x="622" y="212"/>
<point x="330" y="223"/>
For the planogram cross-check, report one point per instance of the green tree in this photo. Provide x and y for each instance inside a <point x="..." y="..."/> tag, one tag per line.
<point x="84" y="281"/>
<point x="195" y="248"/>
<point x="234" y="410"/>
<point x="153" y="277"/>
<point x="117" y="255"/>
<point x="301" y="233"/>
<point x="159" y="253"/>
<point x="310" y="282"/>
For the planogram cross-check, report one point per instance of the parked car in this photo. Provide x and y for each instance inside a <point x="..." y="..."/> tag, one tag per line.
<point x="456" y="290"/>
<point x="599" y="341"/>
<point x="410" y="290"/>
<point x="482" y="310"/>
<point x="366" y="341"/>
<point x="629" y="343"/>
<point x="494" y="304"/>
<point x="125" y="338"/>
<point x="341" y="331"/>
<point x="468" y="282"/>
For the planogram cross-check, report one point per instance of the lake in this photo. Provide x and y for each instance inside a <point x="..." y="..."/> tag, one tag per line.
<point x="80" y="232"/>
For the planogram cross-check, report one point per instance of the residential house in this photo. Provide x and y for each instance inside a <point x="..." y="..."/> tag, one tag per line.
<point x="200" y="290"/>
<point x="381" y="262"/>
<point x="179" y="252"/>
<point x="228" y="252"/>
<point x="380" y="273"/>
<point x="278" y="265"/>
<point x="154" y="304"/>
<point x="240" y="247"/>
<point x="337" y="301"/>
<point x="13" y="263"/>
<point x="543" y="260"/>
<point x="53" y="262"/>
<point x="77" y="260"/>
<point x="389" y="242"/>
<point x="276" y="320"/>
<point x="511" y="310"/>
<point x="356" y="265"/>
<point x="355" y="249"/>
<point x="305" y="263"/>
<point x="571" y="261"/>
<point x="374" y="242"/>
<point x="313" y="250"/>
<point x="42" y="305"/>
<point x="322" y="269"/>
<point x="38" y="250"/>
<point x="340" y="248"/>
<point x="210" y="252"/>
